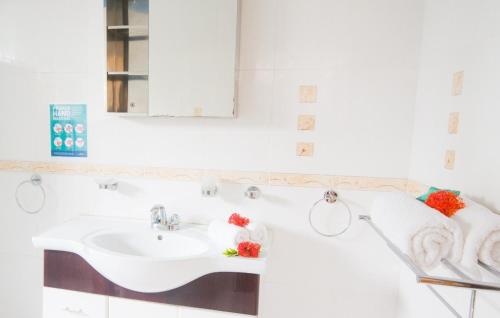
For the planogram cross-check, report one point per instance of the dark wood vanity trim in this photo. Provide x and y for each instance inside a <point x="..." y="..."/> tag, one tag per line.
<point x="231" y="292"/>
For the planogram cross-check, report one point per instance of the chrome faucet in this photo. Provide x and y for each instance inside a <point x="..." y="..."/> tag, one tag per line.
<point x="160" y="220"/>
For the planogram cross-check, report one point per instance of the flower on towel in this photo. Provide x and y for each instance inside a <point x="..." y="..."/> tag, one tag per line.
<point x="445" y="202"/>
<point x="249" y="249"/>
<point x="238" y="220"/>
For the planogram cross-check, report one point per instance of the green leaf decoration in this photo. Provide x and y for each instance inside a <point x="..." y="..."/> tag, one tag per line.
<point x="231" y="252"/>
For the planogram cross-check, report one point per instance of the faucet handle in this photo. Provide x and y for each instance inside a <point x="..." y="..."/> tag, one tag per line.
<point x="158" y="208"/>
<point x="175" y="219"/>
<point x="158" y="215"/>
<point x="174" y="222"/>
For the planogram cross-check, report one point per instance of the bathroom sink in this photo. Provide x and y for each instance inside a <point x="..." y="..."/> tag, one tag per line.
<point x="136" y="257"/>
<point x="150" y="244"/>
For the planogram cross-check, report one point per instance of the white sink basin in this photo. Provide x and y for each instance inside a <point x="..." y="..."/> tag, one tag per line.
<point x="150" y="244"/>
<point x="132" y="255"/>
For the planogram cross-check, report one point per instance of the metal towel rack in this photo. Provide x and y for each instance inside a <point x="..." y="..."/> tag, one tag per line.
<point x="331" y="197"/>
<point x="464" y="281"/>
<point x="36" y="181"/>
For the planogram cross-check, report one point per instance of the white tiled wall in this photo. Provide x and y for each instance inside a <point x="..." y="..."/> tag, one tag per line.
<point x="458" y="36"/>
<point x="362" y="56"/>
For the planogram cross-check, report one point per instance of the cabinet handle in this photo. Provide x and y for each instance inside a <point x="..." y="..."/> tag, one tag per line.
<point x="79" y="312"/>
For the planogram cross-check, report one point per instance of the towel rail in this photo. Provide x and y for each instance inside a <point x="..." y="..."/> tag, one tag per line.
<point x="464" y="281"/>
<point x="489" y="269"/>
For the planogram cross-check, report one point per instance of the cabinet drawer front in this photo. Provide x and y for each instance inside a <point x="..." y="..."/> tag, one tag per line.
<point x="59" y="303"/>
<point x="185" y="312"/>
<point x="124" y="308"/>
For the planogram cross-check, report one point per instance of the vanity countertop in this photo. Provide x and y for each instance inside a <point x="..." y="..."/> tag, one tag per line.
<point x="149" y="260"/>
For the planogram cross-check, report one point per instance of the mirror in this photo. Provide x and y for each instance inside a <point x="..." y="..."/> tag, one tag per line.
<point x="174" y="58"/>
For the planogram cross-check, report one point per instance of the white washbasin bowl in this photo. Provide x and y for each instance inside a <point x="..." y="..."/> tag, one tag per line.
<point x="133" y="256"/>
<point x="147" y="243"/>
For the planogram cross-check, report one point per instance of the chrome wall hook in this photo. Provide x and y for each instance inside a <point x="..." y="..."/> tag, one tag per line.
<point x="253" y="193"/>
<point x="110" y="185"/>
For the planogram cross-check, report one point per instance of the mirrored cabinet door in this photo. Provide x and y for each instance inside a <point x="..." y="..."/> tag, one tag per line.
<point x="173" y="58"/>
<point x="193" y="57"/>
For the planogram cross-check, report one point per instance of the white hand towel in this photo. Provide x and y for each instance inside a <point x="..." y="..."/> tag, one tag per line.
<point x="424" y="234"/>
<point x="258" y="233"/>
<point x="227" y="235"/>
<point x="481" y="229"/>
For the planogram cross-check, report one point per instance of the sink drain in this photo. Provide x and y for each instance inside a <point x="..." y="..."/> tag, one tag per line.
<point x="160" y="237"/>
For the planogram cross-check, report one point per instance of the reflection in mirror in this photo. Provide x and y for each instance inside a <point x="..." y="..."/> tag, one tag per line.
<point x="193" y="57"/>
<point x="127" y="55"/>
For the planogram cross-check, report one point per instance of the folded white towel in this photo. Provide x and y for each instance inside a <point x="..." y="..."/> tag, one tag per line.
<point x="481" y="229"/>
<point x="424" y="234"/>
<point x="258" y="233"/>
<point x="227" y="235"/>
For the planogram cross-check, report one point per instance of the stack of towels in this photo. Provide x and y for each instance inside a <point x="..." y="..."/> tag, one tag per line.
<point x="427" y="236"/>
<point x="227" y="235"/>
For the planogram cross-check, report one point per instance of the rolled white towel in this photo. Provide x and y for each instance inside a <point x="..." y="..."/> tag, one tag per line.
<point x="481" y="229"/>
<point x="424" y="234"/>
<point x="258" y="233"/>
<point x="227" y="235"/>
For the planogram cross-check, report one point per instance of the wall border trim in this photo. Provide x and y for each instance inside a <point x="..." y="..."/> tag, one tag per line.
<point x="192" y="175"/>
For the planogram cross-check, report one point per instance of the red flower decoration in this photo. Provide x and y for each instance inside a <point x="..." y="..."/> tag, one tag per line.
<point x="445" y="202"/>
<point x="238" y="220"/>
<point x="249" y="249"/>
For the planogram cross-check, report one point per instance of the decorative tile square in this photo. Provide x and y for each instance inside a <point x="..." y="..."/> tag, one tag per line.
<point x="305" y="149"/>
<point x="458" y="83"/>
<point x="453" y="123"/>
<point x="308" y="94"/>
<point x="198" y="111"/>
<point x="450" y="159"/>
<point x="306" y="122"/>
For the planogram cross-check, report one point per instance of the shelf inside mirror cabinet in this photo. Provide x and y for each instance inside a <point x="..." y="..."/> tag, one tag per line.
<point x="127" y="36"/>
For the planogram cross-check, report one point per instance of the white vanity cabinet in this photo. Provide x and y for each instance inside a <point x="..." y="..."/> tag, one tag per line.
<point x="58" y="303"/>
<point x="185" y="312"/>
<point x="124" y="308"/>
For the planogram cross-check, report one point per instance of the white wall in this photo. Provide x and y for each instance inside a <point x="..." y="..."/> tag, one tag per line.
<point x="361" y="54"/>
<point x="458" y="35"/>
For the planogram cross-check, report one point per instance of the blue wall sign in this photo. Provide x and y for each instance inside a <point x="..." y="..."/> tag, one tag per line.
<point x="68" y="130"/>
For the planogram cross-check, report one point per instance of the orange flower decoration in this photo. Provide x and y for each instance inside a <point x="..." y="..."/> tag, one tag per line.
<point x="238" y="220"/>
<point x="445" y="202"/>
<point x="249" y="249"/>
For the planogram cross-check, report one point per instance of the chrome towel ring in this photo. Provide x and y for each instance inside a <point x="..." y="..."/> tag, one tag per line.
<point x="331" y="197"/>
<point x="36" y="181"/>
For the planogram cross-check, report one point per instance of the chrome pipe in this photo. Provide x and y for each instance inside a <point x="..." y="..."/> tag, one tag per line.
<point x="472" y="304"/>
<point x="444" y="302"/>
<point x="489" y="269"/>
